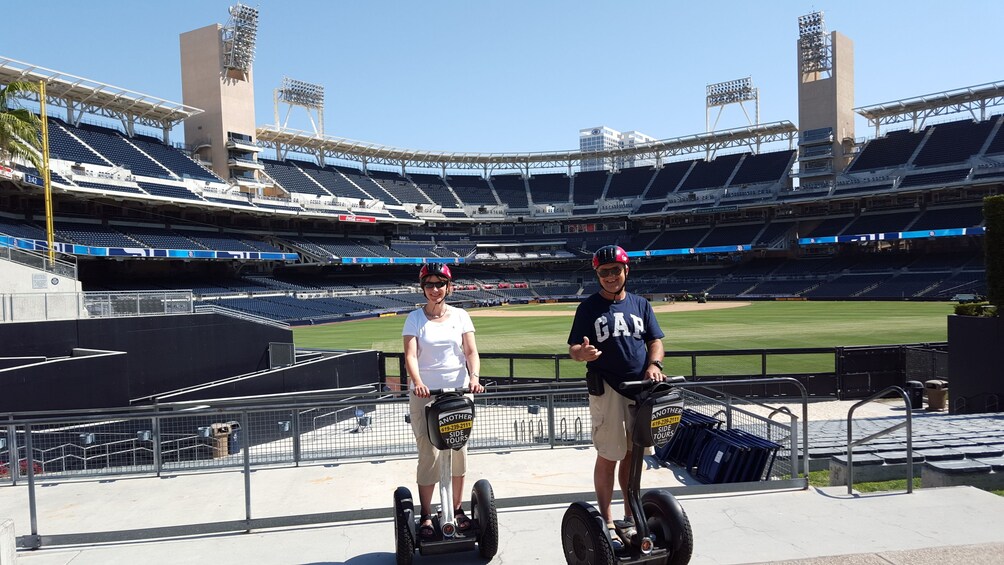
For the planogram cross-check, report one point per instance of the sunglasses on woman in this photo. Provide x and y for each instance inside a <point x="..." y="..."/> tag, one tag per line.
<point x="439" y="284"/>
<point x="612" y="271"/>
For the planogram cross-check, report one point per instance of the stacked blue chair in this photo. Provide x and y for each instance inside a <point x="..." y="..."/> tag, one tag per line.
<point x="688" y="438"/>
<point x="731" y="456"/>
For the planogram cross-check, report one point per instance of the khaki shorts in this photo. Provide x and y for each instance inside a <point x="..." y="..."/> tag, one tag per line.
<point x="428" y="455"/>
<point x="612" y="423"/>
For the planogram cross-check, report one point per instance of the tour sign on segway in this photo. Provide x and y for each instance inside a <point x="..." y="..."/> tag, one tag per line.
<point x="451" y="420"/>
<point x="661" y="530"/>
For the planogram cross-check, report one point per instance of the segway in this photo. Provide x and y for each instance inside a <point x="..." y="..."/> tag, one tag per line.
<point x="450" y="419"/>
<point x="661" y="532"/>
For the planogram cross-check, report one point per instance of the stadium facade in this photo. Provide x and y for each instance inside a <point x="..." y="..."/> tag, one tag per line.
<point x="305" y="227"/>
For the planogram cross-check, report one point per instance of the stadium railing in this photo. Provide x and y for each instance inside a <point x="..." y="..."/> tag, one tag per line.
<point x="356" y="424"/>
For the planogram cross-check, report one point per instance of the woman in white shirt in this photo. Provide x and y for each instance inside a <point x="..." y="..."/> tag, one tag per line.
<point x="439" y="352"/>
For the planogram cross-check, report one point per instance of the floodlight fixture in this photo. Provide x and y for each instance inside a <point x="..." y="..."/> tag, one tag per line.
<point x="814" y="47"/>
<point x="811" y="24"/>
<point x="301" y="93"/>
<point x="239" y="37"/>
<point x="731" y="92"/>
<point x="736" y="91"/>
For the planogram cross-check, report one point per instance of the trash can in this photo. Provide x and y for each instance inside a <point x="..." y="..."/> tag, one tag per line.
<point x="915" y="391"/>
<point x="220" y="435"/>
<point x="234" y="445"/>
<point x="937" y="394"/>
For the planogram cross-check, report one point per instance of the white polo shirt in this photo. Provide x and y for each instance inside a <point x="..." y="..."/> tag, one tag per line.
<point x="441" y="361"/>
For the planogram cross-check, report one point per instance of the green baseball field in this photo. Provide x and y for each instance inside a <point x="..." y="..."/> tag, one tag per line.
<point x="543" y="328"/>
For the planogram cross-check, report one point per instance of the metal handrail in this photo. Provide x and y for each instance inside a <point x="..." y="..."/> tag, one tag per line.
<point x="240" y="410"/>
<point x="805" y="412"/>
<point x="909" y="436"/>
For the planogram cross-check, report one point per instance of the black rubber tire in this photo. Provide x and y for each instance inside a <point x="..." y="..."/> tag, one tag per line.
<point x="584" y="538"/>
<point x="484" y="513"/>
<point x="670" y="525"/>
<point x="404" y="542"/>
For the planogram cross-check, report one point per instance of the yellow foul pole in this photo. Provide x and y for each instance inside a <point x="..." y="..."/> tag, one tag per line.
<point x="47" y="183"/>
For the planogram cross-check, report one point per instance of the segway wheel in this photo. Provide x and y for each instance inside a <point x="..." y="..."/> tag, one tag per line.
<point x="404" y="541"/>
<point x="484" y="513"/>
<point x="670" y="525"/>
<point x="584" y="536"/>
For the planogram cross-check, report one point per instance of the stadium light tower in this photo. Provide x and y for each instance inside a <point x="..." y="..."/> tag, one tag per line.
<point x="815" y="49"/>
<point x="239" y="37"/>
<point x="721" y="94"/>
<point x="303" y="94"/>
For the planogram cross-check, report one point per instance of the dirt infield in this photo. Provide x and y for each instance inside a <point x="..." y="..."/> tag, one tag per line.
<point x="667" y="307"/>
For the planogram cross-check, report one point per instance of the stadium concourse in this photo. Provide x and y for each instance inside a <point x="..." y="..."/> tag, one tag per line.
<point x="818" y="526"/>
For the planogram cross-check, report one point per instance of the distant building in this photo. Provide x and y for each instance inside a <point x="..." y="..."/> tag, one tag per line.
<point x="602" y="138"/>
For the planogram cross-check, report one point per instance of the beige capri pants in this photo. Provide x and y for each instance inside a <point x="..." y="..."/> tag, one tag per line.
<point x="428" y="455"/>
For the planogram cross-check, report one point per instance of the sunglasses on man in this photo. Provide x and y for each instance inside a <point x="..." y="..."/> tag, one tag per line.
<point x="439" y="284"/>
<point x="610" y="272"/>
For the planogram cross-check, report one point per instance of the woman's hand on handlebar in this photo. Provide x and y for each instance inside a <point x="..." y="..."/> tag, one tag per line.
<point x="421" y="390"/>
<point x="475" y="386"/>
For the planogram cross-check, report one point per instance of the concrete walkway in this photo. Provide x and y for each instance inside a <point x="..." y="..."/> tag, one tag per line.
<point x="533" y="488"/>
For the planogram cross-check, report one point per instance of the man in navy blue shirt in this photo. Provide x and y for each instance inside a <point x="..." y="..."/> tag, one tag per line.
<point x="616" y="334"/>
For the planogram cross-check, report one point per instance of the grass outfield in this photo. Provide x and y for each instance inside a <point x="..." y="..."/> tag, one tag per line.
<point x="757" y="326"/>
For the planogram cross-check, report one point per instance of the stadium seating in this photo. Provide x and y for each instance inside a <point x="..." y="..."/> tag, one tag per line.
<point x="435" y="189"/>
<point x="292" y="179"/>
<point x="629" y="183"/>
<point x="92" y="234"/>
<point x="588" y="186"/>
<point x="893" y="150"/>
<point x="511" y="190"/>
<point x="549" y="188"/>
<point x="711" y="174"/>
<point x="64" y="145"/>
<point x="953" y="142"/>
<point x="118" y="151"/>
<point x="763" y="168"/>
<point x="402" y="188"/>
<point x="472" y="190"/>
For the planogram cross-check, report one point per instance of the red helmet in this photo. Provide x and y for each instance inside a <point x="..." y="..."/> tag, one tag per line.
<point x="435" y="270"/>
<point x="609" y="254"/>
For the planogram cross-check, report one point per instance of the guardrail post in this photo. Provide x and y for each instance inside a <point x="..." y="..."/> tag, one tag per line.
<point x="296" y="437"/>
<point x="12" y="450"/>
<point x="29" y="457"/>
<point x="158" y="462"/>
<point x="246" y="446"/>
<point x="550" y="419"/>
<point x="693" y="365"/>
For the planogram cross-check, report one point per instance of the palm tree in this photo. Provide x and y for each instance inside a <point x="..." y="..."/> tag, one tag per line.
<point x="19" y="127"/>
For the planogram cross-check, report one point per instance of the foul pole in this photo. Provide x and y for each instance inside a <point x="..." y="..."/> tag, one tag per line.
<point x="46" y="181"/>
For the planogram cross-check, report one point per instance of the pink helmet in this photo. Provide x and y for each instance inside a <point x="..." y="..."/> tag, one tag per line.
<point x="609" y="254"/>
<point x="435" y="270"/>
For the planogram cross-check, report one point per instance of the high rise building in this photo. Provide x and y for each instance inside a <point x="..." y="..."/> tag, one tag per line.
<point x="602" y="138"/>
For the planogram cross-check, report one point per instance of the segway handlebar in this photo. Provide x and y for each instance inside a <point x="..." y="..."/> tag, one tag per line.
<point x="438" y="391"/>
<point x="638" y="386"/>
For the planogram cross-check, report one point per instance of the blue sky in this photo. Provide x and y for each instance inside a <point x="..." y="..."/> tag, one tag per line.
<point x="520" y="75"/>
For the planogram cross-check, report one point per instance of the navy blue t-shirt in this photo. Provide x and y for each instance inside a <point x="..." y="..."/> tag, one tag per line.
<point x="620" y="329"/>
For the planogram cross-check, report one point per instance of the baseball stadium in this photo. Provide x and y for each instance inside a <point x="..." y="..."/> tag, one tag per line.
<point x="192" y="292"/>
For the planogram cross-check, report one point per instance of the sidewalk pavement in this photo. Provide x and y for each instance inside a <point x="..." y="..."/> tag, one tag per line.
<point x="533" y="489"/>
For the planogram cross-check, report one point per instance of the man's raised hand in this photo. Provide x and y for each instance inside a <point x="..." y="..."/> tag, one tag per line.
<point x="588" y="352"/>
